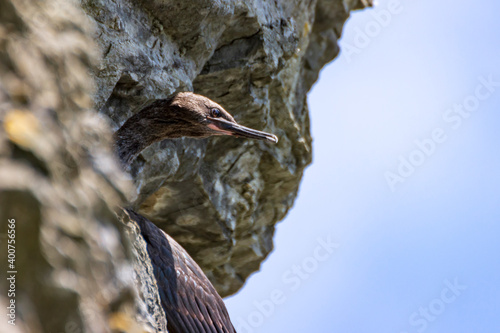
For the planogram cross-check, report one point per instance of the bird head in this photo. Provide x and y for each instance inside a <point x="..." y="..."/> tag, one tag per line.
<point x="193" y="115"/>
<point x="183" y="115"/>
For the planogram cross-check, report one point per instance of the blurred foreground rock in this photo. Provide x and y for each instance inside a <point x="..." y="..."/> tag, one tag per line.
<point x="220" y="198"/>
<point x="58" y="179"/>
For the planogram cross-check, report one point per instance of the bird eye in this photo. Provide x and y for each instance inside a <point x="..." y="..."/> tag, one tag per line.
<point x="215" y="113"/>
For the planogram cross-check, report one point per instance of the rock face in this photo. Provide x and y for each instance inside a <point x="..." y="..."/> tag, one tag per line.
<point x="59" y="184"/>
<point x="220" y="197"/>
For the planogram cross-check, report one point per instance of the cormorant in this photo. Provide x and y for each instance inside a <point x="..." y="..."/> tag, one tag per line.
<point x="190" y="302"/>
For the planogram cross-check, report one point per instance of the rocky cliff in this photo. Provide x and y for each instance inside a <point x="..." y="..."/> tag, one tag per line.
<point x="71" y="73"/>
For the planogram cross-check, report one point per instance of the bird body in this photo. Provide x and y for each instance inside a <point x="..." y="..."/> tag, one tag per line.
<point x="190" y="302"/>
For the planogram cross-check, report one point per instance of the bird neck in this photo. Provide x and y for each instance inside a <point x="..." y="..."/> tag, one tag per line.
<point x="130" y="141"/>
<point x="138" y="132"/>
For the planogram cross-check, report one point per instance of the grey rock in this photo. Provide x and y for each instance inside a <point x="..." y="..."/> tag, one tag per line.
<point x="220" y="197"/>
<point x="80" y="260"/>
<point x="59" y="183"/>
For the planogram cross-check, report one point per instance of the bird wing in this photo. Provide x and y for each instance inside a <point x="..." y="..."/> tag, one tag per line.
<point x="189" y="300"/>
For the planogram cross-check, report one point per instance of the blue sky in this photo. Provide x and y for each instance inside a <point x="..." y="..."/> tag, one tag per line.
<point x="357" y="254"/>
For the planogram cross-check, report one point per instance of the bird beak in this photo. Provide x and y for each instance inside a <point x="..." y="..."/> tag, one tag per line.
<point x="226" y="127"/>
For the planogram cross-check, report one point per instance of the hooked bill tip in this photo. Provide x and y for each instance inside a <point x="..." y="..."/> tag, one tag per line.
<point x="272" y="138"/>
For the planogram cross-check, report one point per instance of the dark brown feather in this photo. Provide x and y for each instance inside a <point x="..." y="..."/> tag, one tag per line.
<point x="189" y="300"/>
